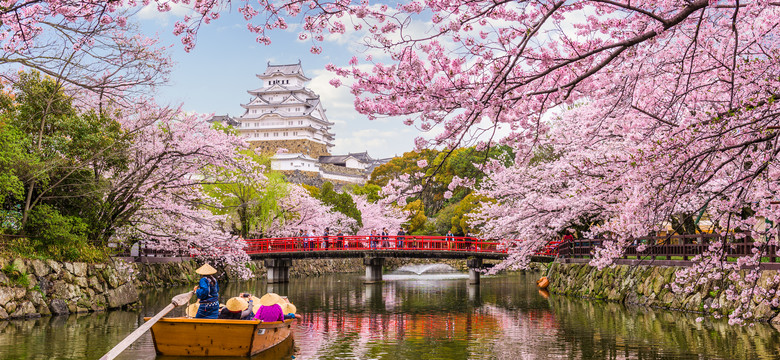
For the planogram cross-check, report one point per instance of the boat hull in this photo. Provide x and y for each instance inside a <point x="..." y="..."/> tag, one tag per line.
<point x="211" y="337"/>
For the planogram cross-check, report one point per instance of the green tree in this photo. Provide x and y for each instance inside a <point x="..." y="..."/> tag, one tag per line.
<point x="371" y="191"/>
<point x="55" y="157"/>
<point x="251" y="199"/>
<point x="339" y="201"/>
<point x="442" y="167"/>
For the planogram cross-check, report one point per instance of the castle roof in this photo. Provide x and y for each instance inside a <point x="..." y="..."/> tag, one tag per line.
<point x="283" y="69"/>
<point x="224" y="119"/>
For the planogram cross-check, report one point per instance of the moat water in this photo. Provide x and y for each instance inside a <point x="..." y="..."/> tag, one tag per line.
<point x="435" y="316"/>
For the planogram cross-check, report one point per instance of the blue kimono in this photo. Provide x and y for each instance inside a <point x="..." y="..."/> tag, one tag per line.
<point x="208" y="294"/>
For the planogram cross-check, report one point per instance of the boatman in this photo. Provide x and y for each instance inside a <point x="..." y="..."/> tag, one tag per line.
<point x="207" y="291"/>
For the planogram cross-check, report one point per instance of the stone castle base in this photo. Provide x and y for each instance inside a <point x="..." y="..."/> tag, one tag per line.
<point x="308" y="147"/>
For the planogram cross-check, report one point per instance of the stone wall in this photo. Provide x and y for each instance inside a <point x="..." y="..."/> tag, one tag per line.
<point x="308" y="147"/>
<point x="54" y="288"/>
<point x="648" y="286"/>
<point x="311" y="178"/>
<point x="60" y="288"/>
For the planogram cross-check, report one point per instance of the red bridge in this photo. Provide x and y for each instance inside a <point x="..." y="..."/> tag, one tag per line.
<point x="279" y="252"/>
<point x="386" y="246"/>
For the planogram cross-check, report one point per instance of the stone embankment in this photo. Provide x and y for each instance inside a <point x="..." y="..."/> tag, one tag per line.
<point x="648" y="286"/>
<point x="33" y="288"/>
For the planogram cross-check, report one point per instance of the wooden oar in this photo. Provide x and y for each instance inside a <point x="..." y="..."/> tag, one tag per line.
<point x="177" y="300"/>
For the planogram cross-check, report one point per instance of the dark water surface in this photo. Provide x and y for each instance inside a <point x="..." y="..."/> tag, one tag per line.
<point x="422" y="317"/>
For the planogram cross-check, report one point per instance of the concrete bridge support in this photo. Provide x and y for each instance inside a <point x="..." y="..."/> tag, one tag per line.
<point x="278" y="270"/>
<point x="474" y="265"/>
<point x="373" y="269"/>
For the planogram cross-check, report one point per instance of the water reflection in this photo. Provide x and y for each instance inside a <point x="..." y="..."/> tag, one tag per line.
<point x="506" y="317"/>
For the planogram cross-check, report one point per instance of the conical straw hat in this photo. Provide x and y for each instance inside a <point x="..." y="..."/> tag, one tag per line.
<point x="206" y="269"/>
<point x="289" y="308"/>
<point x="270" y="299"/>
<point x="255" y="304"/>
<point x="236" y="304"/>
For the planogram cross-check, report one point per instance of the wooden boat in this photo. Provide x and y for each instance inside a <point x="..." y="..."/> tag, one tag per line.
<point x="212" y="337"/>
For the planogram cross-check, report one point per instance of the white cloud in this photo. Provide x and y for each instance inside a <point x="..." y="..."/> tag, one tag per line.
<point x="378" y="142"/>
<point x="150" y="12"/>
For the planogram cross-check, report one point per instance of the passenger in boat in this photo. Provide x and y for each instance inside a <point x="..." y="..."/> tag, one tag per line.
<point x="237" y="308"/>
<point x="290" y="311"/>
<point x="207" y="291"/>
<point x="270" y="313"/>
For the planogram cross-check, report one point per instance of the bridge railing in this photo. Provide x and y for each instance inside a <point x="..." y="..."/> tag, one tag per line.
<point x="368" y="242"/>
<point x="678" y="247"/>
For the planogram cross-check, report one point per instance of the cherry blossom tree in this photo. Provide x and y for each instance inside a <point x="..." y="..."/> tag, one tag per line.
<point x="654" y="108"/>
<point x="301" y="211"/>
<point x="160" y="198"/>
<point x="378" y="215"/>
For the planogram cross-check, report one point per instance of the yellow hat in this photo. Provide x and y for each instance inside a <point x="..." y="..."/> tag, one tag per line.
<point x="236" y="304"/>
<point x="206" y="269"/>
<point x="270" y="299"/>
<point x="255" y="304"/>
<point x="192" y="309"/>
<point x="289" y="308"/>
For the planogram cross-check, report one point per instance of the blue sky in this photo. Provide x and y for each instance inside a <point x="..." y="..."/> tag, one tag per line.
<point x="214" y="77"/>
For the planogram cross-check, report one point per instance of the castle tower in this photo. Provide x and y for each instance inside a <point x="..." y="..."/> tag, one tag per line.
<point x="283" y="113"/>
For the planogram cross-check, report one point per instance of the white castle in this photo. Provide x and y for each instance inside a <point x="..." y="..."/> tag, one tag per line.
<point x="284" y="114"/>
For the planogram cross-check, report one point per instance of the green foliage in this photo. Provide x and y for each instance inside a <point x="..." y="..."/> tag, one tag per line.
<point x="11" y="153"/>
<point x="339" y="201"/>
<point x="462" y="210"/>
<point x="252" y="204"/>
<point x="371" y="191"/>
<point x="16" y="276"/>
<point x="417" y="219"/>
<point x="59" y="236"/>
<point x="54" y="157"/>
<point x="442" y="167"/>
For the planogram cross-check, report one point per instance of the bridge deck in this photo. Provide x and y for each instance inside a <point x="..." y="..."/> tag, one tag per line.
<point x="388" y="253"/>
<point x="407" y="246"/>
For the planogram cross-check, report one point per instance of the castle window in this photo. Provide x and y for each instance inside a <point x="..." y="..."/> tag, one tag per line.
<point x="285" y="133"/>
<point x="265" y="134"/>
<point x="276" y="134"/>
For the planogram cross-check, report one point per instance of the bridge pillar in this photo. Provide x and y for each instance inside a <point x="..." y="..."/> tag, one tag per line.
<point x="373" y="269"/>
<point x="278" y="270"/>
<point x="474" y="265"/>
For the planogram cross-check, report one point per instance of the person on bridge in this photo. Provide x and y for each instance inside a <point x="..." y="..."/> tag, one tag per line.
<point x="299" y="244"/>
<point x="325" y="242"/>
<point x="399" y="238"/>
<point x="385" y="238"/>
<point x="449" y="239"/>
<point x="373" y="239"/>
<point x="307" y="245"/>
<point x="207" y="292"/>
<point x="340" y="240"/>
